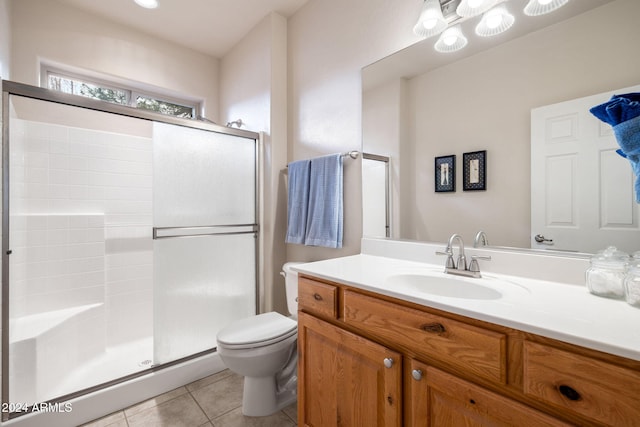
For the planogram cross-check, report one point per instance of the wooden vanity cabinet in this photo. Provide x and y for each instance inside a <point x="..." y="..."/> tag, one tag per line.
<point x="434" y="337"/>
<point x="579" y="384"/>
<point x="344" y="379"/>
<point x="318" y="298"/>
<point x="440" y="399"/>
<point x="370" y="360"/>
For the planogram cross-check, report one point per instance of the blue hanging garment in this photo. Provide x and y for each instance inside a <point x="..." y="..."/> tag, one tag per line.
<point x="622" y="112"/>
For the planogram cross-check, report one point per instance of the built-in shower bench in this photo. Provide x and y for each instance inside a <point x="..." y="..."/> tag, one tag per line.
<point x="46" y="347"/>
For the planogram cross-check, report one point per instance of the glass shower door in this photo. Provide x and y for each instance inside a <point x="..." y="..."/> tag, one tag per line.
<point x="79" y="271"/>
<point x="107" y="213"/>
<point x="204" y="212"/>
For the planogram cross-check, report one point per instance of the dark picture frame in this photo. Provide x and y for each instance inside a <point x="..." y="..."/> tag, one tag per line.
<point x="474" y="171"/>
<point x="445" y="174"/>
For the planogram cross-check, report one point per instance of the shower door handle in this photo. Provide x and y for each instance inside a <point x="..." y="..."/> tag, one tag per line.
<point x="203" y="230"/>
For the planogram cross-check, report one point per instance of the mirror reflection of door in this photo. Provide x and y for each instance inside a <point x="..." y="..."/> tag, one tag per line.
<point x="375" y="195"/>
<point x="581" y="189"/>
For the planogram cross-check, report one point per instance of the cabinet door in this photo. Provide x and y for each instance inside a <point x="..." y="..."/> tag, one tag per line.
<point x="435" y="399"/>
<point x="344" y="379"/>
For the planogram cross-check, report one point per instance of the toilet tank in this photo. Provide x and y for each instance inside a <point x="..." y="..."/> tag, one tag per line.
<point x="291" y="287"/>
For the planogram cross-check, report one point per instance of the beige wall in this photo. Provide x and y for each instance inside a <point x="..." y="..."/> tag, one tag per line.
<point x="53" y="32"/>
<point x="253" y="80"/>
<point x="5" y="40"/>
<point x="484" y="102"/>
<point x="329" y="42"/>
<point x="385" y="132"/>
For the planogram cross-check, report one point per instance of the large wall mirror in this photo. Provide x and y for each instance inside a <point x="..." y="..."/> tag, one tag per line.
<point x="419" y="104"/>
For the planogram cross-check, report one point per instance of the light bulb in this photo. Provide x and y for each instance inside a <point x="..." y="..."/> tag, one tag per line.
<point x="469" y="8"/>
<point x="147" y="4"/>
<point x="541" y="7"/>
<point x="431" y="21"/>
<point x="450" y="40"/>
<point x="494" y="20"/>
<point x="430" y="24"/>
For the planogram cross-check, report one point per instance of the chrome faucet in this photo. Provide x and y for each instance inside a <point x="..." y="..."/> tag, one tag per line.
<point x="461" y="263"/>
<point x="481" y="239"/>
<point x="460" y="267"/>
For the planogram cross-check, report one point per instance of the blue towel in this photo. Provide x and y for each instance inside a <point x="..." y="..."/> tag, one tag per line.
<point x="628" y="135"/>
<point x="324" y="218"/>
<point x="622" y="112"/>
<point x="298" y="201"/>
<point x="618" y="109"/>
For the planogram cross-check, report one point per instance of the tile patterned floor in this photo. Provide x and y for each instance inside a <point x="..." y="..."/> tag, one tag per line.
<point x="214" y="401"/>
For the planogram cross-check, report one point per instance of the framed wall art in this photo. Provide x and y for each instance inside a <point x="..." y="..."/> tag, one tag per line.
<point x="445" y="174"/>
<point x="474" y="171"/>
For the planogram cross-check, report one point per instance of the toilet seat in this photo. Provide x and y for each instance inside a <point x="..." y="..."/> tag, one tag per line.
<point x="257" y="331"/>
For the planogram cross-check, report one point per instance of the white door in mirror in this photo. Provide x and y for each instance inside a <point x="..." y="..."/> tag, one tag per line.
<point x="582" y="192"/>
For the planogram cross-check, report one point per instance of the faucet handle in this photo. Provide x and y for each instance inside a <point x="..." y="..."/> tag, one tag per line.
<point x="449" y="253"/>
<point x="474" y="266"/>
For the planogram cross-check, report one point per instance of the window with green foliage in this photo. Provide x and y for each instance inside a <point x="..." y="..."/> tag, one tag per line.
<point x="77" y="87"/>
<point x="102" y="91"/>
<point x="164" y="107"/>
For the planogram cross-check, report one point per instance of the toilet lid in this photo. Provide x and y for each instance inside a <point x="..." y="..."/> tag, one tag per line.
<point x="259" y="330"/>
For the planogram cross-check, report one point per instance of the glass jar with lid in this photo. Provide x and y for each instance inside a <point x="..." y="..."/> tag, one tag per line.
<point x="605" y="277"/>
<point x="632" y="282"/>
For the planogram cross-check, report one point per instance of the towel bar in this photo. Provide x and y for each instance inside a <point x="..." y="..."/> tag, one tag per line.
<point x="353" y="154"/>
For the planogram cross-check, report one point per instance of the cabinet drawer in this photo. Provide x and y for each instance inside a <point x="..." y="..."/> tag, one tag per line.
<point x="449" y="401"/>
<point x="598" y="390"/>
<point x="318" y="298"/>
<point x="468" y="348"/>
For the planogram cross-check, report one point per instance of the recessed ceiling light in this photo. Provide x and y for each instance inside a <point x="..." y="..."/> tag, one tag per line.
<point x="148" y="4"/>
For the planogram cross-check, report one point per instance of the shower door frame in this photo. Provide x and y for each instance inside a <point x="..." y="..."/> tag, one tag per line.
<point x="34" y="92"/>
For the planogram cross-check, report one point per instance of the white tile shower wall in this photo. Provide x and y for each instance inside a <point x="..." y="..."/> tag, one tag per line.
<point x="62" y="180"/>
<point x="57" y="262"/>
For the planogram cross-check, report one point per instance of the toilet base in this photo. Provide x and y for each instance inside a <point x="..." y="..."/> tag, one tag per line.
<point x="261" y="396"/>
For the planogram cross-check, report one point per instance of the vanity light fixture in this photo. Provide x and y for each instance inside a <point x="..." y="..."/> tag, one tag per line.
<point x="431" y="20"/>
<point x="495" y="21"/>
<point x="470" y="8"/>
<point x="451" y="39"/>
<point x="147" y="4"/>
<point x="440" y="16"/>
<point x="540" y="7"/>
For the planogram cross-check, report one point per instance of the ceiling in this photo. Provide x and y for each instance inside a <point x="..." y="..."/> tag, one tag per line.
<point x="212" y="27"/>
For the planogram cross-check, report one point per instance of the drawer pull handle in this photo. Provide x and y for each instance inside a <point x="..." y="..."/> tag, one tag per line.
<point x="388" y="362"/>
<point x="416" y="374"/>
<point x="569" y="392"/>
<point x="317" y="297"/>
<point x="433" y="328"/>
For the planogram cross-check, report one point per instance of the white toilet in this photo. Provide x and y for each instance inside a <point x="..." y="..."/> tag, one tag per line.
<point x="263" y="349"/>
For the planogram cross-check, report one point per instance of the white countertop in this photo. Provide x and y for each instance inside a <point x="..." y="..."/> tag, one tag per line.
<point x="564" y="312"/>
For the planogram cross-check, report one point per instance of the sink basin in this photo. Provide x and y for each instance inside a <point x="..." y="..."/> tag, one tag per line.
<point x="447" y="285"/>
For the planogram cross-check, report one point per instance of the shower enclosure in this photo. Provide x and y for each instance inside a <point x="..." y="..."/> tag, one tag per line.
<point x="129" y="240"/>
